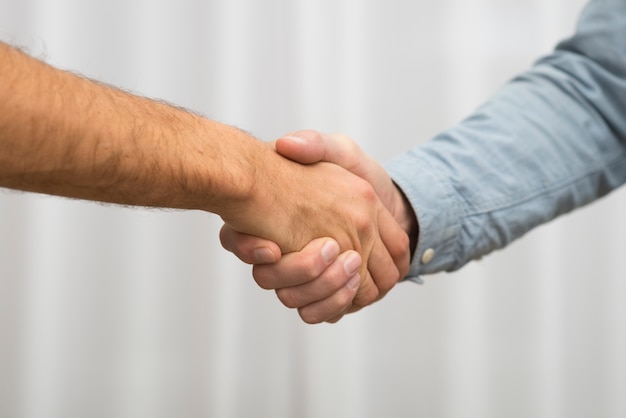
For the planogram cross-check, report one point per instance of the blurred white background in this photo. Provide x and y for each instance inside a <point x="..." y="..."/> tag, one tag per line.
<point x="119" y="312"/>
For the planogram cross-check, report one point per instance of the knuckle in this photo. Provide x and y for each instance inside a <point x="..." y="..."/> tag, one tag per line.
<point x="364" y="223"/>
<point x="346" y="142"/>
<point x="303" y="265"/>
<point x="363" y="216"/>
<point x="401" y="245"/>
<point x="344" y="299"/>
<point x="366" y="191"/>
<point x="309" y="268"/>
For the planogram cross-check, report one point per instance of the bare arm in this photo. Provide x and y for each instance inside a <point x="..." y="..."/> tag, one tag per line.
<point x="65" y="135"/>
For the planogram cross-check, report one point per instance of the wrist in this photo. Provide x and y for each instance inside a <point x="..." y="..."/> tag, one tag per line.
<point x="219" y="165"/>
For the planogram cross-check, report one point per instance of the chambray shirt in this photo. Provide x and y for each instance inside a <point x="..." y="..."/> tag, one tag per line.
<point x="551" y="140"/>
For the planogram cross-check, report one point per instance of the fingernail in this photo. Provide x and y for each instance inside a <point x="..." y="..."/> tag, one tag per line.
<point x="352" y="264"/>
<point x="264" y="255"/>
<point x="354" y="282"/>
<point x="296" y="139"/>
<point x="330" y="249"/>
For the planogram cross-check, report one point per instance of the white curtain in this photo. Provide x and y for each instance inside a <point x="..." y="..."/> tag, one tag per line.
<point x="120" y="312"/>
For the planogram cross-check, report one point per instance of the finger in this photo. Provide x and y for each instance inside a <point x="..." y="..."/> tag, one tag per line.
<point x="248" y="248"/>
<point x="344" y="151"/>
<point x="336" y="318"/>
<point x="332" y="307"/>
<point x="384" y="268"/>
<point x="305" y="147"/>
<point x="396" y="241"/>
<point x="308" y="147"/>
<point x="388" y="261"/>
<point x="299" y="267"/>
<point x="331" y="280"/>
<point x="351" y="309"/>
<point x="354" y="308"/>
<point x="367" y="292"/>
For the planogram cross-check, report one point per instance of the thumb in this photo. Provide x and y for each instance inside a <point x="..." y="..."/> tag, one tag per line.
<point x="308" y="147"/>
<point x="305" y="147"/>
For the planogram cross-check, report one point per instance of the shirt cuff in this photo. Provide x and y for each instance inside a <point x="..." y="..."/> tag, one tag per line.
<point x="436" y="207"/>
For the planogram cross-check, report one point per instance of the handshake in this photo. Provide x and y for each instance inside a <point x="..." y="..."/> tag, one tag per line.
<point x="322" y="222"/>
<point x="345" y="230"/>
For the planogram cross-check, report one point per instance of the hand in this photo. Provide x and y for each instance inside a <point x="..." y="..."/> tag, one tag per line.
<point x="312" y="280"/>
<point x="327" y="200"/>
<point x="318" y="281"/>
<point x="308" y="147"/>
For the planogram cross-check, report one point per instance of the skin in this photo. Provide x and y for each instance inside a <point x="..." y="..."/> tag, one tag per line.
<point x="66" y="135"/>
<point x="313" y="280"/>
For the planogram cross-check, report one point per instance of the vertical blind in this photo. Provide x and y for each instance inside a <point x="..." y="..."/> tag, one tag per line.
<point x="108" y="311"/>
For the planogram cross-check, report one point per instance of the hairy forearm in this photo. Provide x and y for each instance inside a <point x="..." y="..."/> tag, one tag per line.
<point x="62" y="134"/>
<point x="65" y="135"/>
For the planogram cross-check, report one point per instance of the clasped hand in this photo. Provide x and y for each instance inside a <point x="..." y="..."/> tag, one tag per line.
<point x="367" y="212"/>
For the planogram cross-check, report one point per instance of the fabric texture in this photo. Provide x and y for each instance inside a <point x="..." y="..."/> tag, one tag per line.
<point x="550" y="141"/>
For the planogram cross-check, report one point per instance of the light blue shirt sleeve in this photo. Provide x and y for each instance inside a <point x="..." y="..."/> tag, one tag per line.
<point x="551" y="140"/>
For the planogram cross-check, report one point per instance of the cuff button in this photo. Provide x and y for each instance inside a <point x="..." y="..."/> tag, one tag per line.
<point x="428" y="256"/>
